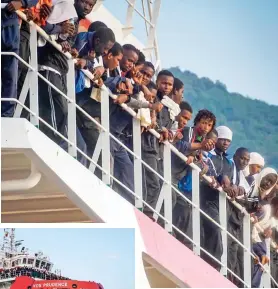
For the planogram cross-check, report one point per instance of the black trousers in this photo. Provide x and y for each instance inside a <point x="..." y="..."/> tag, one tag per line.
<point x="235" y="251"/>
<point x="53" y="107"/>
<point x="151" y="182"/>
<point x="274" y="267"/>
<point x="9" y="67"/>
<point x="24" y="53"/>
<point x="182" y="219"/>
<point x="211" y="239"/>
<point x="89" y="131"/>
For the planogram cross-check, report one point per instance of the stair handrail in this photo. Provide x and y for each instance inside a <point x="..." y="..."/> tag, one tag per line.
<point x="152" y="131"/>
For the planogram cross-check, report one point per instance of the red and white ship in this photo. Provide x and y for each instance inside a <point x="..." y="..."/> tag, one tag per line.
<point x="21" y="269"/>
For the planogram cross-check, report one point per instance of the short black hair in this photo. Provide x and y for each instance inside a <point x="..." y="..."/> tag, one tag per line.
<point x="94" y="26"/>
<point x="178" y="84"/>
<point x="241" y="151"/>
<point x="149" y="64"/>
<point x="212" y="133"/>
<point x="116" y="50"/>
<point x="184" y="105"/>
<point x="151" y="85"/>
<point x="165" y="73"/>
<point x="141" y="58"/>
<point x="132" y="48"/>
<point x="204" y="113"/>
<point x="105" y="35"/>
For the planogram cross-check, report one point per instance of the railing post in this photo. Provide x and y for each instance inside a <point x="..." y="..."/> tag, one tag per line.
<point x="247" y="243"/>
<point x="137" y="163"/>
<point x="33" y="78"/>
<point x="223" y="223"/>
<point x="195" y="211"/>
<point x="266" y="280"/>
<point x="105" y="155"/>
<point x="154" y="13"/>
<point x="129" y="16"/>
<point x="71" y="109"/>
<point x="167" y="187"/>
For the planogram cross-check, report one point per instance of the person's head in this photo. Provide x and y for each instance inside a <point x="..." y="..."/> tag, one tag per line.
<point x="104" y="39"/>
<point x="112" y="59"/>
<point x="178" y="90"/>
<point x="204" y="122"/>
<point x="185" y="114"/>
<point x="96" y="25"/>
<point x="241" y="158"/>
<point x="268" y="181"/>
<point x="225" y="136"/>
<point x="131" y="55"/>
<point x="165" y="82"/>
<point x="141" y="60"/>
<point x="153" y="90"/>
<point x="147" y="71"/>
<point x="256" y="163"/>
<point x="84" y="7"/>
<point x="213" y="135"/>
<point x="265" y="182"/>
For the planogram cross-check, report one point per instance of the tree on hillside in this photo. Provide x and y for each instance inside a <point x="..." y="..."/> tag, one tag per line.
<point x="254" y="122"/>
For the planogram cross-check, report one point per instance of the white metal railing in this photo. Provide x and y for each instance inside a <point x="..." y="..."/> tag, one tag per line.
<point x="105" y="135"/>
<point x="150" y="24"/>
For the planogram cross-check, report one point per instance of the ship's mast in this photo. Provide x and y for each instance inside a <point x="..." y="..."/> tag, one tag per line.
<point x="9" y="244"/>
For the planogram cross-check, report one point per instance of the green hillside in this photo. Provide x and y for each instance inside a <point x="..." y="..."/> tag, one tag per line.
<point x="253" y="122"/>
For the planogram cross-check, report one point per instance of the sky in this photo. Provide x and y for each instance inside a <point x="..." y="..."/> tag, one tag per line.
<point x="235" y="42"/>
<point x="105" y="255"/>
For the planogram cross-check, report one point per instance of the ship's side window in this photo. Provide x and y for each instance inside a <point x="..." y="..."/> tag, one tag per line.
<point x="24" y="261"/>
<point x="38" y="263"/>
<point x="30" y="261"/>
<point x="47" y="266"/>
<point x="42" y="265"/>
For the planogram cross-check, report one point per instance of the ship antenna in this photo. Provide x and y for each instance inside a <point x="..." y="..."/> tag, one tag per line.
<point x="13" y="248"/>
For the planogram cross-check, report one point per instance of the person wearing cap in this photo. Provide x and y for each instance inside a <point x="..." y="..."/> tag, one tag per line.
<point x="256" y="164"/>
<point x="221" y="169"/>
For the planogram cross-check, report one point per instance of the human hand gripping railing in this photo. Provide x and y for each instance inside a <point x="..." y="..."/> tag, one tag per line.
<point x="128" y="110"/>
<point x="179" y="154"/>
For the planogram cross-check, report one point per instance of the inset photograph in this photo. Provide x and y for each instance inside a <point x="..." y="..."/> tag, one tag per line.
<point x="86" y="258"/>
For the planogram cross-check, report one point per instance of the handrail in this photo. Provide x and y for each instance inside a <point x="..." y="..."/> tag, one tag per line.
<point x="129" y="110"/>
<point x="115" y="179"/>
<point x="133" y="114"/>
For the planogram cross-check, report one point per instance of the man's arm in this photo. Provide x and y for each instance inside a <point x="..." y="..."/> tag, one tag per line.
<point x="113" y="82"/>
<point x="52" y="29"/>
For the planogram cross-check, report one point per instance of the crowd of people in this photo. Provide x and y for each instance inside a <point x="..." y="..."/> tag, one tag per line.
<point x="30" y="272"/>
<point x="124" y="70"/>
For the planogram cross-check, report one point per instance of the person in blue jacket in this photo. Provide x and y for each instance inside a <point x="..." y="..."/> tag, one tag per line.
<point x="10" y="43"/>
<point x="91" y="45"/>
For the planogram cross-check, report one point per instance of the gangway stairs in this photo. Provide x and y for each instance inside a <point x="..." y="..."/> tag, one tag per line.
<point x="60" y="189"/>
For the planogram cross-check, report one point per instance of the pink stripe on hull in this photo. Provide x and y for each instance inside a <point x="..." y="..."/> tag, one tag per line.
<point x="177" y="259"/>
